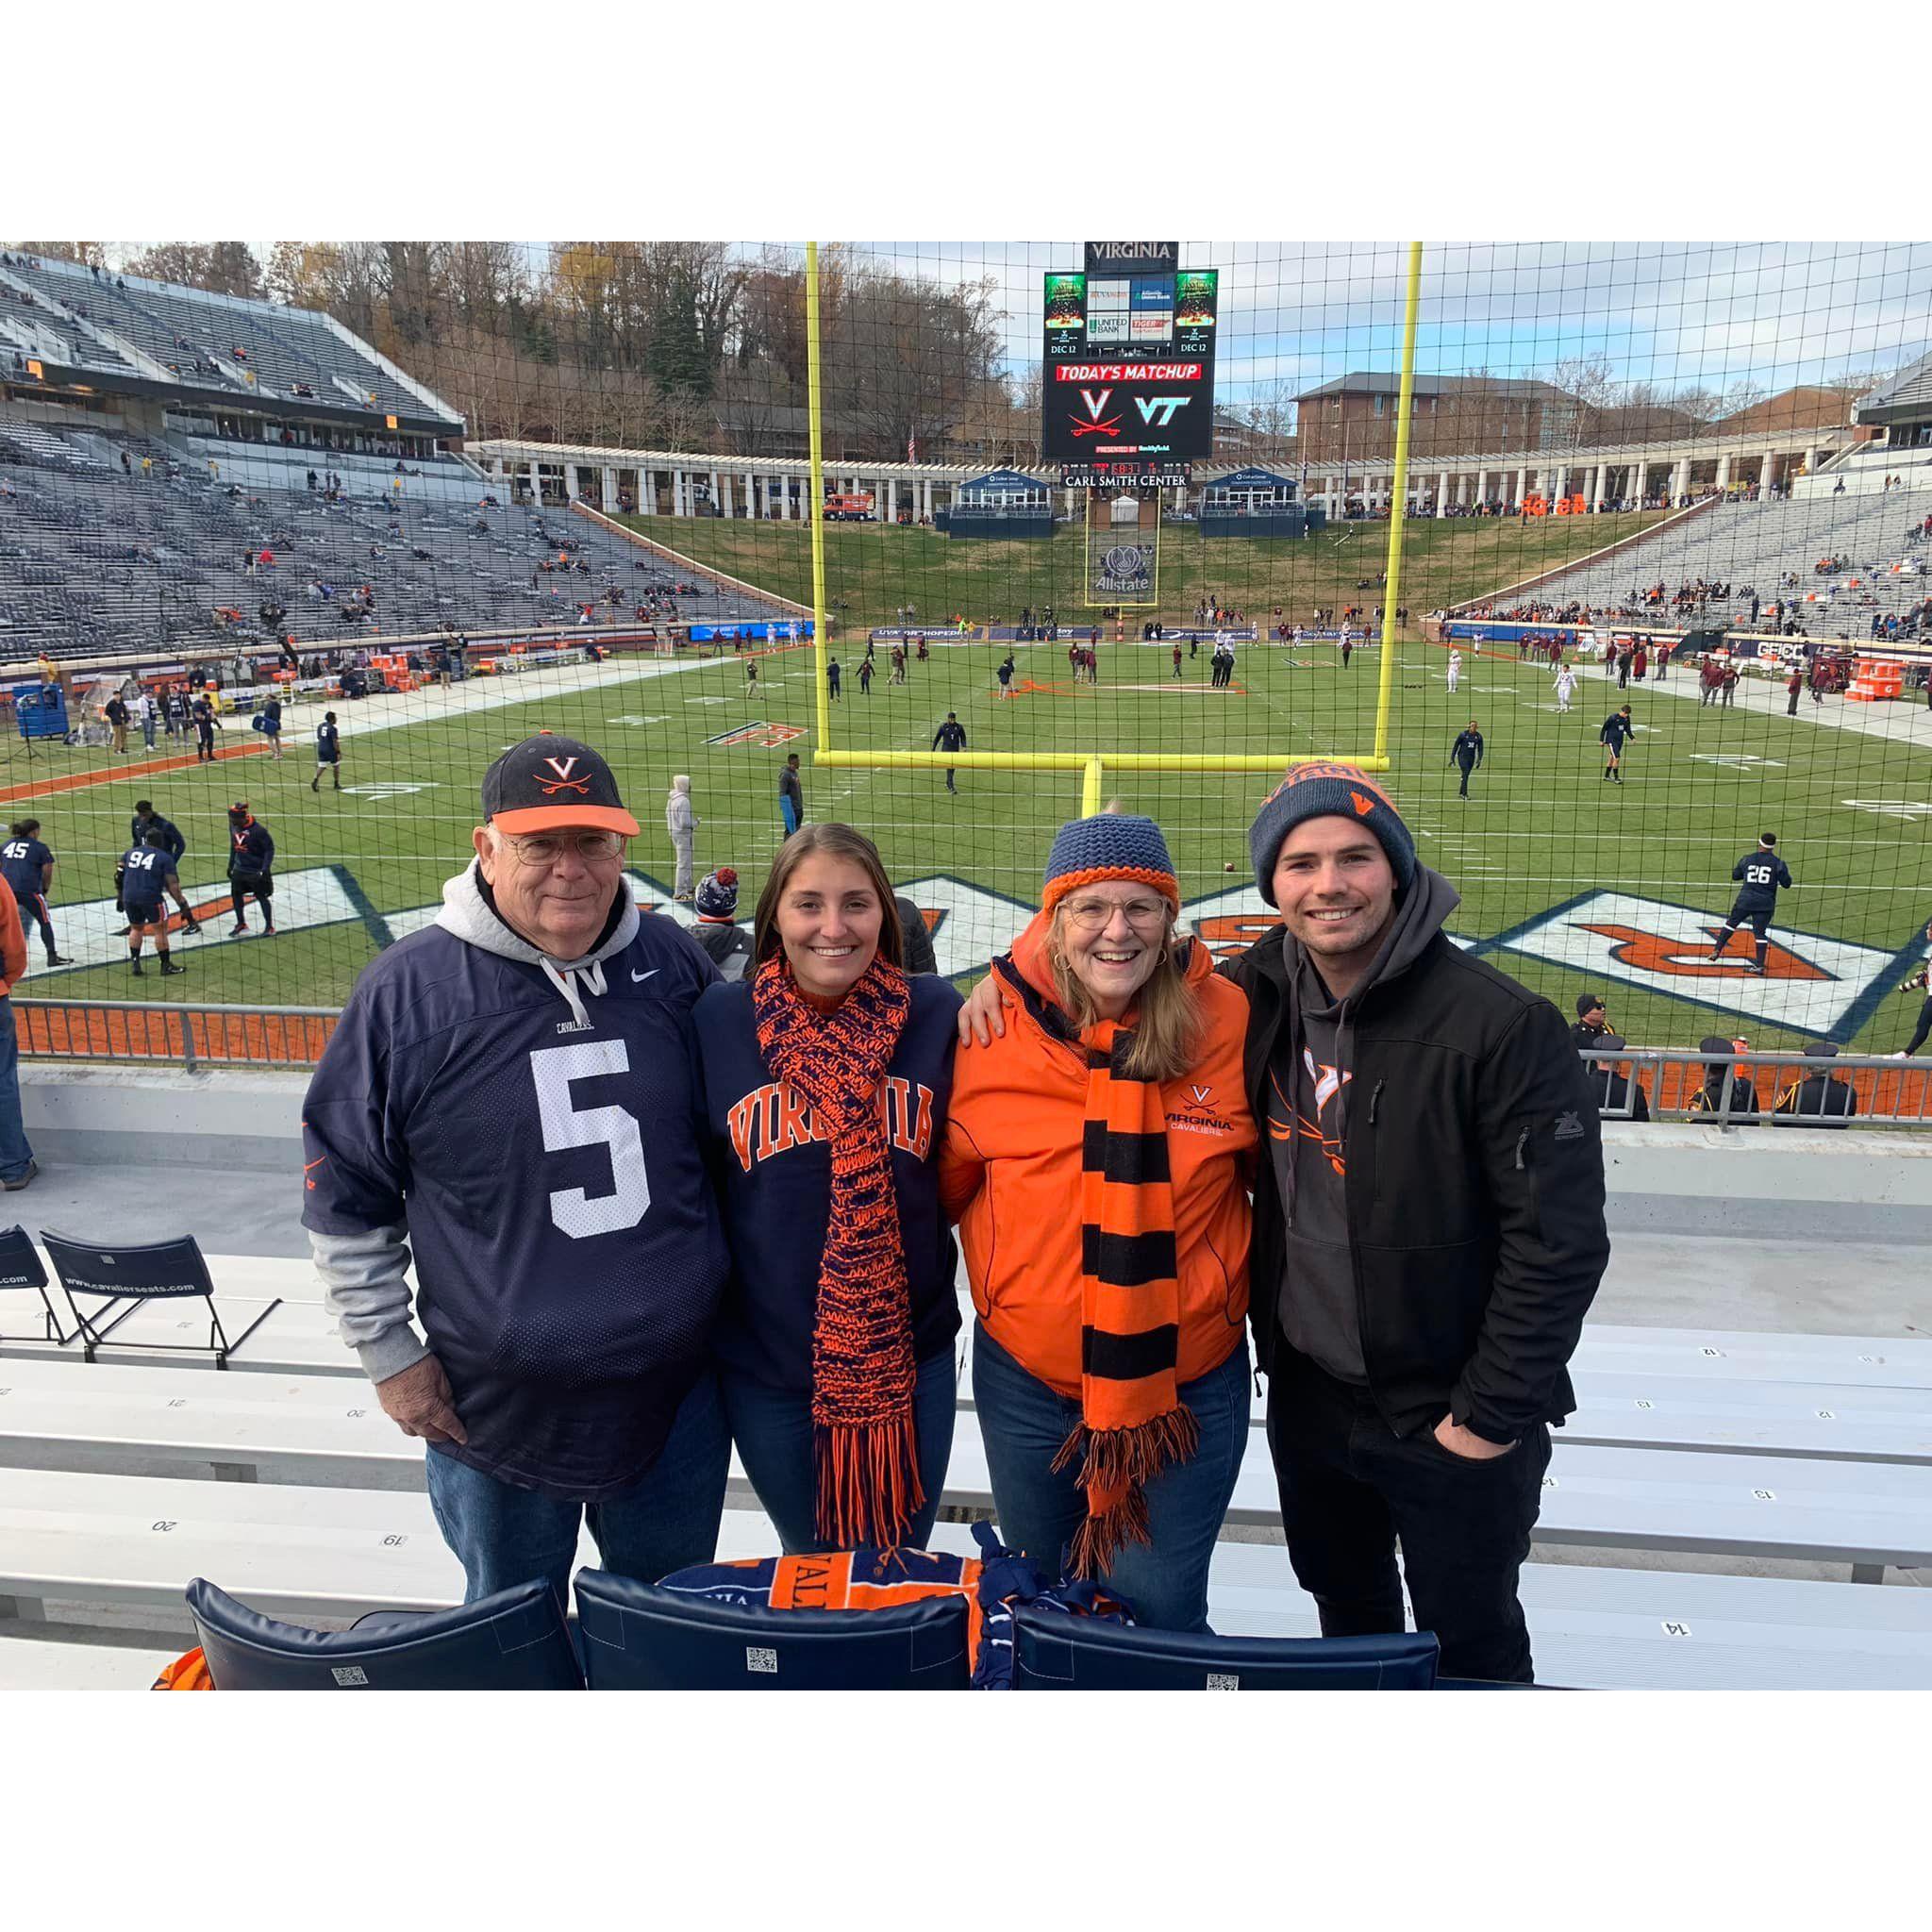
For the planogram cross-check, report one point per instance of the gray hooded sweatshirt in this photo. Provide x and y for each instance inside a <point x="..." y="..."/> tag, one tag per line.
<point x="1309" y="1082"/>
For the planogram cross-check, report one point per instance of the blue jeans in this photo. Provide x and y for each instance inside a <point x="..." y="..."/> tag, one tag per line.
<point x="667" y="1521"/>
<point x="1024" y="1422"/>
<point x="16" y="1156"/>
<point x="773" y="1429"/>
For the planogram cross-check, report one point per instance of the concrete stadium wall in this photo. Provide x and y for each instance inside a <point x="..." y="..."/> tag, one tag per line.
<point x="1765" y="1183"/>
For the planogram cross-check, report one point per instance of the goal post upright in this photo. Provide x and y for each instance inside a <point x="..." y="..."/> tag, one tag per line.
<point x="1398" y="503"/>
<point x="816" y="507"/>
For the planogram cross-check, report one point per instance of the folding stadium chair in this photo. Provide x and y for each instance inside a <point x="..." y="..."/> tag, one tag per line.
<point x="640" y="1636"/>
<point x="514" y="1640"/>
<point x="1055" y="1652"/>
<point x="137" y="1274"/>
<point x="20" y="1267"/>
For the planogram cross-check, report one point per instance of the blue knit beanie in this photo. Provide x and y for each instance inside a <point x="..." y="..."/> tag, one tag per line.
<point x="1327" y="790"/>
<point x="1109" y="845"/>
<point x="717" y="894"/>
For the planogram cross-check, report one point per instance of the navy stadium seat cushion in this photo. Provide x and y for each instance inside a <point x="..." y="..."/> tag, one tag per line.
<point x="1055" y="1652"/>
<point x="514" y="1640"/>
<point x="644" y="1637"/>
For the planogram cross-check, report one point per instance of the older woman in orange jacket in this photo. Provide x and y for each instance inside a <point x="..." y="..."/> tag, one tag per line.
<point x="1096" y="1158"/>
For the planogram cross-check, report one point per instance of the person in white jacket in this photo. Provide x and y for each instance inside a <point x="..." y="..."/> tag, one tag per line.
<point x="1455" y="669"/>
<point x="1566" y="687"/>
<point x="681" y="823"/>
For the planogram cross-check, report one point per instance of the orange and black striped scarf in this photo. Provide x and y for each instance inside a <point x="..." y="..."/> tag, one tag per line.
<point x="863" y="1370"/>
<point x="1133" y="1423"/>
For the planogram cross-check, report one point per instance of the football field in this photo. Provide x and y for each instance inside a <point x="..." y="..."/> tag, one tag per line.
<point x="1569" y="882"/>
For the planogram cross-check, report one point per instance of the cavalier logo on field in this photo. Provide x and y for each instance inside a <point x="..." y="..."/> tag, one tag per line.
<point x="763" y="733"/>
<point x="1810" y="983"/>
<point x="1230" y="922"/>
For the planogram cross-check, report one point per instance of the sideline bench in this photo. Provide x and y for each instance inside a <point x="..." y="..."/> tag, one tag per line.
<point x="317" y="1429"/>
<point x="334" y="1554"/>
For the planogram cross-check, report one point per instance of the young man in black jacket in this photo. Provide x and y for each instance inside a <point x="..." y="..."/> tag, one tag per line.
<point x="1428" y="1232"/>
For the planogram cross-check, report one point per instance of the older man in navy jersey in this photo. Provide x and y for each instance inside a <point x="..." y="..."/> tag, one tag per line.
<point x="510" y="1093"/>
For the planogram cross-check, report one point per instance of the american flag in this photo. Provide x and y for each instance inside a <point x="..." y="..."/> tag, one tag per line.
<point x="912" y="447"/>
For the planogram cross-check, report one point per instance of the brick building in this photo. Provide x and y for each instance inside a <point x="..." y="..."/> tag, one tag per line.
<point x="1355" y="416"/>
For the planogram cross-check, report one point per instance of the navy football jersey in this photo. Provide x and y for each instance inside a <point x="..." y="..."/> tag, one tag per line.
<point x="1761" y="874"/>
<point x="143" y="870"/>
<point x="569" y="1254"/>
<point x="21" y="860"/>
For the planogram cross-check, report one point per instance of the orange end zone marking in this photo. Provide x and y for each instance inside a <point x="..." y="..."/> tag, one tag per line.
<point x="81" y="1031"/>
<point x="109" y="775"/>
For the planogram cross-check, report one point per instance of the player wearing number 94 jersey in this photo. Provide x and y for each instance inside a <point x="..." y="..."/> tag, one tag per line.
<point x="511" y="1093"/>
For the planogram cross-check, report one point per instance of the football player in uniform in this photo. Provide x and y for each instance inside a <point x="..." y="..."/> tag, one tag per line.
<point x="1761" y="873"/>
<point x="143" y="881"/>
<point x="26" y="864"/>
<point x="1617" y="729"/>
<point x="511" y="1093"/>
<point x="1467" y="752"/>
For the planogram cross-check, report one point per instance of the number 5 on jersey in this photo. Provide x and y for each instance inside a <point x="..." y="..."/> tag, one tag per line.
<point x="576" y="1213"/>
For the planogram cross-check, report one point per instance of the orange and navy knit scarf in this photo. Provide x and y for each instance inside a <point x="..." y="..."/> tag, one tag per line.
<point x="1133" y="1423"/>
<point x="863" y="1370"/>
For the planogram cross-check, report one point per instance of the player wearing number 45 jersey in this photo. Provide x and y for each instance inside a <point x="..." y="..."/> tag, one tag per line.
<point x="510" y="1093"/>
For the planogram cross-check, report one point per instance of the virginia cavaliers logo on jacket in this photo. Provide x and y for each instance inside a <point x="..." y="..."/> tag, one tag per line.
<point x="773" y="1119"/>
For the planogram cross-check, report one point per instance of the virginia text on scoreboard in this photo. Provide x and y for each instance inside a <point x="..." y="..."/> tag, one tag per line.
<point x="1127" y="372"/>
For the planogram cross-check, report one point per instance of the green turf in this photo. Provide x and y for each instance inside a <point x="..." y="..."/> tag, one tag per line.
<point x="873" y="571"/>
<point x="1539" y="829"/>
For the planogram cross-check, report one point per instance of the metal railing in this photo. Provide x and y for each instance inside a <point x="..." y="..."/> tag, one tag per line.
<point x="127" y="1033"/>
<point x="1782" y="1089"/>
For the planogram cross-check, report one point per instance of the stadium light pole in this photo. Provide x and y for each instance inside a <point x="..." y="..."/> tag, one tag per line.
<point x="1398" y="497"/>
<point x="816" y="492"/>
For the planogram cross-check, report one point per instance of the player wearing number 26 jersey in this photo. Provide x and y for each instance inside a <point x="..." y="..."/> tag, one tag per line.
<point x="531" y="1125"/>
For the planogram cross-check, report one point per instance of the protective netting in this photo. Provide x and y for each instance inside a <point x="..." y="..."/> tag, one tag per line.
<point x="456" y="492"/>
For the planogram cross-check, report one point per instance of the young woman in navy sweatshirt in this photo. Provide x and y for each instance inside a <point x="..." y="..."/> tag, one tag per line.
<point x="827" y="1074"/>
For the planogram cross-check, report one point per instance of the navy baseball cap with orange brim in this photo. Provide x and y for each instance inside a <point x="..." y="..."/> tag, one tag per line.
<point x="548" y="783"/>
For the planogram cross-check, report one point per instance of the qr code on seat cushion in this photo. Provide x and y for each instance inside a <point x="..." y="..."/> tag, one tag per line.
<point x="759" y="1659"/>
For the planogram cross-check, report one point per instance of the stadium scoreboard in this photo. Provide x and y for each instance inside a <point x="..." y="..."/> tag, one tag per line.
<point x="1127" y="369"/>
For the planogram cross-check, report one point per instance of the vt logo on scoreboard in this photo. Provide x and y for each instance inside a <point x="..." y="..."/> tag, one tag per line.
<point x="1811" y="984"/>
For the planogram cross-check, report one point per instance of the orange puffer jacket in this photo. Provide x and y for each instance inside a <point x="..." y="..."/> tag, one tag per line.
<point x="1010" y="1174"/>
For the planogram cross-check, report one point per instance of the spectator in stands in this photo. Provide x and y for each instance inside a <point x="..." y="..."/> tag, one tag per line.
<point x="565" y="1363"/>
<point x="1818" y="1098"/>
<point x="1616" y="1092"/>
<point x="26" y="864"/>
<point x="916" y="936"/>
<point x="681" y="822"/>
<point x="1710" y="1098"/>
<point x="17" y="1164"/>
<point x="718" y="931"/>
<point x="1592" y="1022"/>
<point x="251" y="870"/>
<point x="836" y="1339"/>
<point x="1119" y="1434"/>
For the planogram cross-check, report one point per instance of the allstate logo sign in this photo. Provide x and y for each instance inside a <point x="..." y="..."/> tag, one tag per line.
<point x="1126" y="573"/>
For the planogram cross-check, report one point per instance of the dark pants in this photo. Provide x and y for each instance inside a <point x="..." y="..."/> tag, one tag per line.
<point x="776" y="1439"/>
<point x="1466" y="766"/>
<point x="1924" y="1028"/>
<point x="1350" y="1487"/>
<point x="33" y="906"/>
<point x="1791" y="706"/>
<point x="262" y="886"/>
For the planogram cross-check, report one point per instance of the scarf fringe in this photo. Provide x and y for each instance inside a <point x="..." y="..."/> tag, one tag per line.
<point x="1115" y="1467"/>
<point x="868" y="1487"/>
